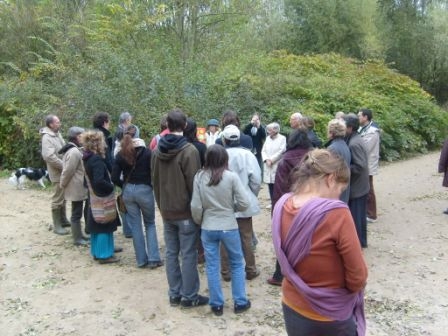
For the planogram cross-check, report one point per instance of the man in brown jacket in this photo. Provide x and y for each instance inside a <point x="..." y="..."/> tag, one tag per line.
<point x="173" y="166"/>
<point x="52" y="142"/>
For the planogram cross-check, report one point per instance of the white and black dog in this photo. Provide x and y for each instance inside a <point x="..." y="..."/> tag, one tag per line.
<point x="33" y="174"/>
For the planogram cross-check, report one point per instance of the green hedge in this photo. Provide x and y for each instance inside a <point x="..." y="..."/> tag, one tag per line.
<point x="274" y="85"/>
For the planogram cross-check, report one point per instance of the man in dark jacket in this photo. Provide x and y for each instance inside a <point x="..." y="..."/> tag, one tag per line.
<point x="359" y="177"/>
<point x="231" y="118"/>
<point x="173" y="166"/>
<point x="443" y="166"/>
<point x="258" y="134"/>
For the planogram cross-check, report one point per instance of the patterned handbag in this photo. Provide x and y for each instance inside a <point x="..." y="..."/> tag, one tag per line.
<point x="104" y="209"/>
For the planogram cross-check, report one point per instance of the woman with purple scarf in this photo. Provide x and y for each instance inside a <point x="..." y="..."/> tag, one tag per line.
<point x="319" y="252"/>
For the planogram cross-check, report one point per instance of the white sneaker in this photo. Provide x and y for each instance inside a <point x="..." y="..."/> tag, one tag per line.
<point x="370" y="220"/>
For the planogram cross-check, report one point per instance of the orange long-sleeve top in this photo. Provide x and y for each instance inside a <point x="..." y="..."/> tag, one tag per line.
<point x="335" y="259"/>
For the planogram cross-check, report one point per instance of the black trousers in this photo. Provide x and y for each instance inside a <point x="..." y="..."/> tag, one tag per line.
<point x="298" y="325"/>
<point x="358" y="209"/>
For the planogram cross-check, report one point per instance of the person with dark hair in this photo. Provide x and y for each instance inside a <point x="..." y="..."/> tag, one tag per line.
<point x="316" y="244"/>
<point x="190" y="132"/>
<point x="370" y="133"/>
<point x="359" y="176"/>
<point x="298" y="145"/>
<point x="131" y="172"/>
<point x="309" y="124"/>
<point x="217" y="194"/>
<point x="52" y="142"/>
<point x="163" y="131"/>
<point x="101" y="234"/>
<point x="336" y="134"/>
<point x="443" y="166"/>
<point x="72" y="182"/>
<point x="173" y="166"/>
<point x="124" y="121"/>
<point x="257" y="132"/>
<point x="231" y="118"/>
<point x="245" y="165"/>
<point x="101" y="122"/>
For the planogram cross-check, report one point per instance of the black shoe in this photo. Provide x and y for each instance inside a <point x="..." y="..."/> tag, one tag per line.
<point x="108" y="260"/>
<point x="446" y="212"/>
<point x="175" y="301"/>
<point x="238" y="309"/>
<point x="155" y="264"/>
<point x="199" y="301"/>
<point x="218" y="310"/>
<point x="226" y="277"/>
<point x="118" y="249"/>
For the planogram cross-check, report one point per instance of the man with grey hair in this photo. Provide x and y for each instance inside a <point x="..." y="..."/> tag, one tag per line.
<point x="336" y="143"/>
<point x="124" y="121"/>
<point x="294" y="120"/>
<point x="245" y="165"/>
<point x="72" y="182"/>
<point x="52" y="142"/>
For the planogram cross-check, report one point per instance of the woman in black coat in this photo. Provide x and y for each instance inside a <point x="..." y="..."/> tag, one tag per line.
<point x="443" y="166"/>
<point x="101" y="234"/>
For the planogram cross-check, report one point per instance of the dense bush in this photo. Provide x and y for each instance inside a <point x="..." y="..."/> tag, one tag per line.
<point x="274" y="85"/>
<point x="321" y="85"/>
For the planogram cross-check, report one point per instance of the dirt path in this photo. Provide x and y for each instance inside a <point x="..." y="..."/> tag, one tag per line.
<point x="50" y="287"/>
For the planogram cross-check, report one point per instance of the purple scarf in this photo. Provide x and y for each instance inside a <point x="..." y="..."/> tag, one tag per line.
<point x="335" y="303"/>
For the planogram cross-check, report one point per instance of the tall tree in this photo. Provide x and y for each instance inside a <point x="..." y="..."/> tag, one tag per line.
<point x="342" y="26"/>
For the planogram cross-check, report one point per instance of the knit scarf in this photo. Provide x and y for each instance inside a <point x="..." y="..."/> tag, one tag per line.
<point x="335" y="303"/>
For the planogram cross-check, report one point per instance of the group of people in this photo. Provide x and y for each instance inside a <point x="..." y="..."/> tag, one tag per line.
<point x="208" y="193"/>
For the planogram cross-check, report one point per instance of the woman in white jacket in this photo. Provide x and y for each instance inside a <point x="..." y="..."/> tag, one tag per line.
<point x="273" y="148"/>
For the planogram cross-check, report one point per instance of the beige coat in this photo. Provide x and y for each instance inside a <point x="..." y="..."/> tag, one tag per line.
<point x="72" y="177"/>
<point x="51" y="144"/>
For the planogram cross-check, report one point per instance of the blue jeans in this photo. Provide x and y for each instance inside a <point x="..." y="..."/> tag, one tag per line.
<point x="139" y="200"/>
<point x="181" y="238"/>
<point x="232" y="243"/>
<point x="127" y="232"/>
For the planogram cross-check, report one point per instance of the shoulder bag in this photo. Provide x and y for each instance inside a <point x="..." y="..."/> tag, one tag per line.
<point x="104" y="209"/>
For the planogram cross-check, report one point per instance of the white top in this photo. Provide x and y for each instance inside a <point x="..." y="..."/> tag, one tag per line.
<point x="272" y="150"/>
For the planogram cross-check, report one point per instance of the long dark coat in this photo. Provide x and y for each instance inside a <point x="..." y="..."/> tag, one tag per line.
<point x="96" y="169"/>
<point x="443" y="163"/>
